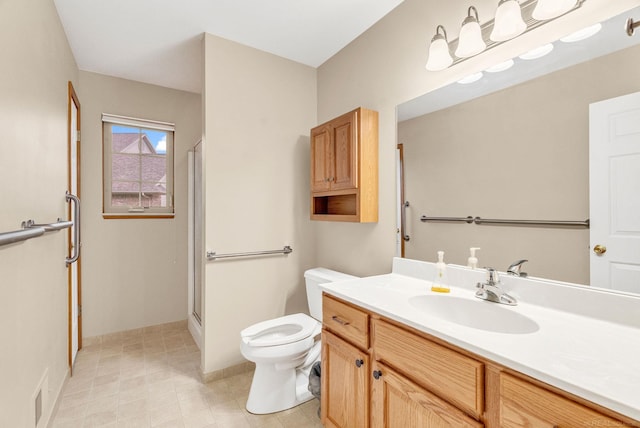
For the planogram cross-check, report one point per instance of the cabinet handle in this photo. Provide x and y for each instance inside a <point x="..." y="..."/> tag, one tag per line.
<point x="359" y="363"/>
<point x="339" y="321"/>
<point x="377" y="374"/>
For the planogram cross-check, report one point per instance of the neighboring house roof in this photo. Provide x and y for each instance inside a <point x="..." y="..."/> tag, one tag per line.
<point x="126" y="162"/>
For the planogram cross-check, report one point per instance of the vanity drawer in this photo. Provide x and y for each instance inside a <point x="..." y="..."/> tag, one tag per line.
<point x="447" y="373"/>
<point x="346" y="321"/>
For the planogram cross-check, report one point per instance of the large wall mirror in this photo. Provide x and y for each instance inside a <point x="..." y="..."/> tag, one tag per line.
<point x="516" y="145"/>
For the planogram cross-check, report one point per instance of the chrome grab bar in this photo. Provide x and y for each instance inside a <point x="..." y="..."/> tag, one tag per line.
<point x="403" y="221"/>
<point x="479" y="220"/>
<point x="48" y="227"/>
<point x="7" y="238"/>
<point x="211" y="255"/>
<point x="76" y="230"/>
<point x="468" y="219"/>
<point x="566" y="223"/>
<point x="31" y="229"/>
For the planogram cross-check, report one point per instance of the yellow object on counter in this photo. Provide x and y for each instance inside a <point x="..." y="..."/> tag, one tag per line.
<point x="440" y="289"/>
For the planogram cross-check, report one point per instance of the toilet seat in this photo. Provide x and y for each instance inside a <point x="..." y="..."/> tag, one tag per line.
<point x="280" y="331"/>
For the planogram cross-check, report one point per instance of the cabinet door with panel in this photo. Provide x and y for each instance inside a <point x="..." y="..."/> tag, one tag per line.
<point x="321" y="155"/>
<point x="345" y="154"/>
<point x="397" y="402"/>
<point x="345" y="384"/>
<point x="446" y="373"/>
<point x="523" y="404"/>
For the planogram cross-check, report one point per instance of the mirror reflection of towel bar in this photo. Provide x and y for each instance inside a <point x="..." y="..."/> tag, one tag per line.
<point x="479" y="220"/>
<point x="211" y="255"/>
<point x="468" y="219"/>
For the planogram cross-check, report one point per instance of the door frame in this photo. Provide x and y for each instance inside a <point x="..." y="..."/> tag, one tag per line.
<point x="73" y="100"/>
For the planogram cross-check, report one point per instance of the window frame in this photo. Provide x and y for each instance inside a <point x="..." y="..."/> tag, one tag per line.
<point x="110" y="211"/>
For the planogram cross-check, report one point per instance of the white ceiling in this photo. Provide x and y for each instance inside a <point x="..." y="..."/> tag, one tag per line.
<point x="158" y="41"/>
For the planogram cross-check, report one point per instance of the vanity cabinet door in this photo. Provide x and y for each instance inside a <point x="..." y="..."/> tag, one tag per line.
<point x="447" y="373"/>
<point x="345" y="384"/>
<point x="396" y="402"/>
<point x="523" y="404"/>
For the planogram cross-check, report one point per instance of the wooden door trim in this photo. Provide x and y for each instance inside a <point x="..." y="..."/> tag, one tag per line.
<point x="73" y="99"/>
<point x="402" y="200"/>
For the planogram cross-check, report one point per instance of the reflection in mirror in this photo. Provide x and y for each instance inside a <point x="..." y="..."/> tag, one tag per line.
<point x="515" y="145"/>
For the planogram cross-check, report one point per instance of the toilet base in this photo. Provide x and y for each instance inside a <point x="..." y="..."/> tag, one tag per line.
<point x="277" y="390"/>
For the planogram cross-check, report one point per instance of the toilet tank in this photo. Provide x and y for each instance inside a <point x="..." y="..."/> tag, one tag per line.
<point x="313" y="278"/>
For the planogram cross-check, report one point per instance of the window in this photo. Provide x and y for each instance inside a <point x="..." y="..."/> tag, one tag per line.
<point x="138" y="167"/>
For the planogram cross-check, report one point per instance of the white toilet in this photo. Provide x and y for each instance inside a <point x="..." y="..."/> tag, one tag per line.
<point x="284" y="349"/>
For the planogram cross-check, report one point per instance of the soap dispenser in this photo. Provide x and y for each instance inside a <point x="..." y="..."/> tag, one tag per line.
<point x="440" y="277"/>
<point x="472" y="261"/>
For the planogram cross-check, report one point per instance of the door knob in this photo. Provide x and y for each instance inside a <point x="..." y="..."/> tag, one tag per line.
<point x="599" y="249"/>
<point x="377" y="374"/>
<point x="359" y="363"/>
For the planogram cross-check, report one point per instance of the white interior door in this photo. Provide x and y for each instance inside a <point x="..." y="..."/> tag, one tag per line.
<point x="614" y="171"/>
<point x="75" y="339"/>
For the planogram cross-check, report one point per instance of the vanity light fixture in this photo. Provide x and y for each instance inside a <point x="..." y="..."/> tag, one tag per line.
<point x="512" y="18"/>
<point x="470" y="41"/>
<point x="439" y="55"/>
<point x="538" y="52"/>
<point x="549" y="9"/>
<point x="585" y="33"/>
<point x="508" y="22"/>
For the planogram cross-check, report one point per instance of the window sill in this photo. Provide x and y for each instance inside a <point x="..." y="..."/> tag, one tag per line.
<point x="128" y="216"/>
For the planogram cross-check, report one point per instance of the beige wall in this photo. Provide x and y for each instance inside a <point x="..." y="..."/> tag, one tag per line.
<point x="385" y="67"/>
<point x="134" y="271"/>
<point x="519" y="153"/>
<point x="36" y="67"/>
<point x="258" y="112"/>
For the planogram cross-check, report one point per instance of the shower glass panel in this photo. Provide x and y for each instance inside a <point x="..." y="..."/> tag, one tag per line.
<point x="197" y="232"/>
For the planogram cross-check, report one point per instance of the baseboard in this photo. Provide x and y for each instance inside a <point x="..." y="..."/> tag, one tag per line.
<point x="117" y="336"/>
<point x="245" y="367"/>
<point x="196" y="331"/>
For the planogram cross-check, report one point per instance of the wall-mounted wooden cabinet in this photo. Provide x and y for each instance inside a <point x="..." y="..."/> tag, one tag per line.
<point x="344" y="168"/>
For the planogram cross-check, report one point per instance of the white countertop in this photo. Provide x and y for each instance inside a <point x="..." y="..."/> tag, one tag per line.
<point x="592" y="358"/>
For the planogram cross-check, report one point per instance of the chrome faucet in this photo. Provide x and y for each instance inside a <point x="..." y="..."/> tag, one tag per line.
<point x="491" y="291"/>
<point x="515" y="268"/>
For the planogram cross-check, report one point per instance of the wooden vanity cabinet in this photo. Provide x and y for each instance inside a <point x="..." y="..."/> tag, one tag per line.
<point x="344" y="168"/>
<point x="381" y="374"/>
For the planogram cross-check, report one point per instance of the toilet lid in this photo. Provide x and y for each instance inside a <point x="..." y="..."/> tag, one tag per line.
<point x="280" y="331"/>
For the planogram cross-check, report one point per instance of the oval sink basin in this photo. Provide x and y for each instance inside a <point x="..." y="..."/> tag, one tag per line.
<point x="478" y="314"/>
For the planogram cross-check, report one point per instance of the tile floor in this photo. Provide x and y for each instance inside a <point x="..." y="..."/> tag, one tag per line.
<point x="150" y="378"/>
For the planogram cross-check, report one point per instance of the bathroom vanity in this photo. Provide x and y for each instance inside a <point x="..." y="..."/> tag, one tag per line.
<point x="396" y="354"/>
